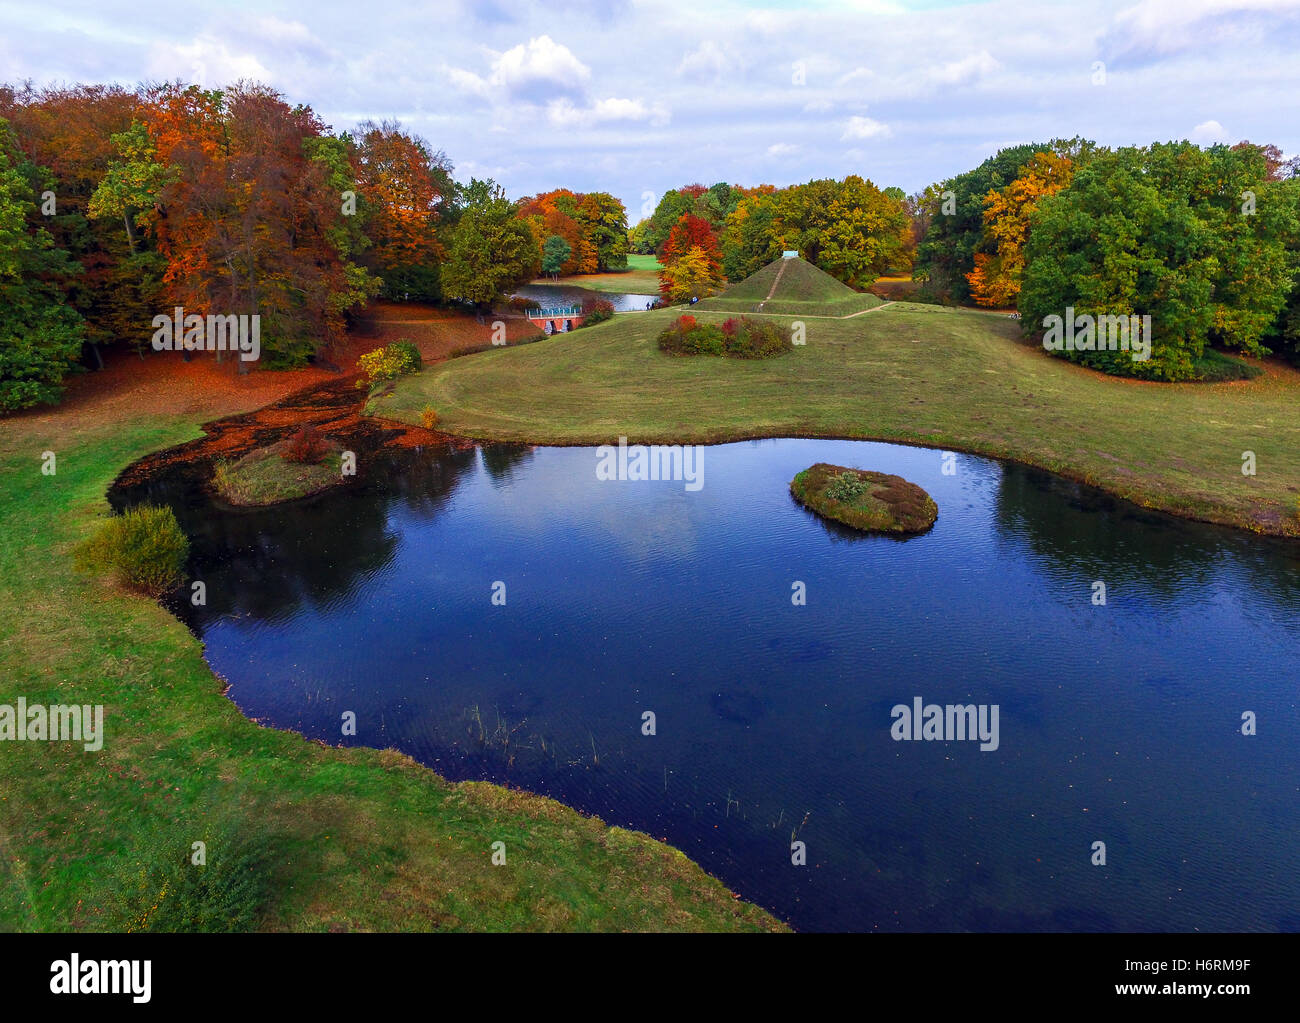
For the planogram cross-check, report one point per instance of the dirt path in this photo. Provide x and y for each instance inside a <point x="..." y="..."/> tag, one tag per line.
<point x="775" y="282"/>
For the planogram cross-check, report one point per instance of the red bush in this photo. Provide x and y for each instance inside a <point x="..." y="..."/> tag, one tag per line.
<point x="305" y="446"/>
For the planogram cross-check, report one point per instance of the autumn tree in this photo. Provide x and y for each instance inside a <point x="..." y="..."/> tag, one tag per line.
<point x="995" y="279"/>
<point x="693" y="274"/>
<point x="692" y="232"/>
<point x="404" y="187"/>
<point x="692" y="241"/>
<point x="72" y="133"/>
<point x="593" y="224"/>
<point x="252" y="222"/>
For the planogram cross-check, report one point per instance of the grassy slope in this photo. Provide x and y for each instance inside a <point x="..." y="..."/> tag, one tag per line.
<point x="364" y="839"/>
<point x="802" y="289"/>
<point x="640" y="278"/>
<point x="953" y="379"/>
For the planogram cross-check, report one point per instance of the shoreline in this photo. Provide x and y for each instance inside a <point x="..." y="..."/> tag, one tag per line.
<point x="708" y="439"/>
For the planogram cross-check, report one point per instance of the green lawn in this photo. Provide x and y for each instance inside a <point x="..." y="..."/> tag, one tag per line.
<point x="355" y="839"/>
<point x="640" y="278"/>
<point x="946" y="378"/>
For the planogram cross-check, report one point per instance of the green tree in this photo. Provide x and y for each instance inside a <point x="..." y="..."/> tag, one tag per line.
<point x="1163" y="231"/>
<point x="555" y="252"/>
<point x="40" y="334"/>
<point x="604" y="225"/>
<point x="491" y="251"/>
<point x="134" y="184"/>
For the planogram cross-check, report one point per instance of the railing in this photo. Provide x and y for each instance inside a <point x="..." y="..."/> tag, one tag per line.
<point x="562" y="312"/>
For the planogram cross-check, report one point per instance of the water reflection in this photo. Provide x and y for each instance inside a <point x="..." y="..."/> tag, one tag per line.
<point x="1118" y="723"/>
<point x="566" y="294"/>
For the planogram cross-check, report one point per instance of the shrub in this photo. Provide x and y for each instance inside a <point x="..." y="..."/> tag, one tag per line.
<point x="846" y="487"/>
<point x="597" y="311"/>
<point x="306" y="446"/>
<point x="1215" y="367"/>
<point x="742" y="338"/>
<point x="389" y="363"/>
<point x="429" y="417"/>
<point x="757" y="339"/>
<point x="142" y="549"/>
<point x="408" y="356"/>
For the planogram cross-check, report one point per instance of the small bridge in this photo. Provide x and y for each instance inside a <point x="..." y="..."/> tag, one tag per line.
<point x="557" y="320"/>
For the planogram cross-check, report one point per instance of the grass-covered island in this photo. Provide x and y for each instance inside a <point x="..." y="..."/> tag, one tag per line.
<point x="299" y="466"/>
<point x="874" y="502"/>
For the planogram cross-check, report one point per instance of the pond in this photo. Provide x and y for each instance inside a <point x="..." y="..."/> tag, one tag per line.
<point x="554" y="295"/>
<point x="1118" y="723"/>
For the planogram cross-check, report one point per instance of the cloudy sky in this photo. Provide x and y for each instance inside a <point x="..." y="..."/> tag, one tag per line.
<point x="636" y="96"/>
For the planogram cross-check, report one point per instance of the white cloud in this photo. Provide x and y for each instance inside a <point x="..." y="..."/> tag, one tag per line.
<point x="563" y="113"/>
<point x="1172" y="24"/>
<point x="707" y="62"/>
<point x="865" y="128"/>
<point x="1209" y="132"/>
<point x="963" y="71"/>
<point x="207" y="61"/>
<point x="780" y="149"/>
<point x="529" y="70"/>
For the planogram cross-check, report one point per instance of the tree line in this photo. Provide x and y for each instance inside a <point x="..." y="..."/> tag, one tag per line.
<point x="705" y="237"/>
<point x="1204" y="241"/>
<point x="117" y="205"/>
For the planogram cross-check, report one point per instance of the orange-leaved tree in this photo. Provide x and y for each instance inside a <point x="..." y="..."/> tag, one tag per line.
<point x="995" y="280"/>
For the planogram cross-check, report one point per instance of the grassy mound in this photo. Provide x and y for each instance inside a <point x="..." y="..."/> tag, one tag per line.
<point x="801" y="289"/>
<point x="875" y="502"/>
<point x="266" y="476"/>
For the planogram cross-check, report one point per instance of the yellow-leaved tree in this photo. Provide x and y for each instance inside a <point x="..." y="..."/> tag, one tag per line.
<point x="995" y="281"/>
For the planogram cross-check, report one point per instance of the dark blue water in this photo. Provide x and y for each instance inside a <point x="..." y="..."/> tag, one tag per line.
<point x="1118" y="723"/>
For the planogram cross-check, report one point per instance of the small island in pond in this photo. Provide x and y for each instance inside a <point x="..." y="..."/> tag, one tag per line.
<point x="300" y="466"/>
<point x="871" y="501"/>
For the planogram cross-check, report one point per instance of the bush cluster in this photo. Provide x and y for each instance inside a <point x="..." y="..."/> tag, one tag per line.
<point x="390" y="362"/>
<point x="597" y="311"/>
<point x="737" y="338"/>
<point x="143" y="549"/>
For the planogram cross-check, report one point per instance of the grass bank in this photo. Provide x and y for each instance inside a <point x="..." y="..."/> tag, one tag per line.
<point x="946" y="378"/>
<point x="348" y="839"/>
